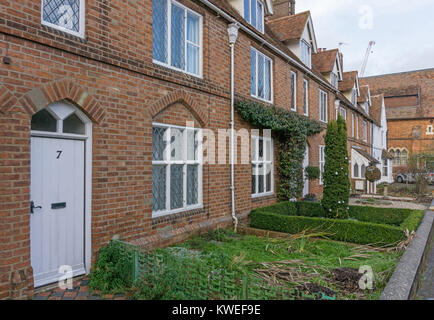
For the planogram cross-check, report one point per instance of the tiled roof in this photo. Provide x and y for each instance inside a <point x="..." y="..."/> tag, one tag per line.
<point x="289" y="27"/>
<point x="366" y="155"/>
<point x="324" y="61"/>
<point x="401" y="91"/>
<point x="375" y="109"/>
<point x="349" y="78"/>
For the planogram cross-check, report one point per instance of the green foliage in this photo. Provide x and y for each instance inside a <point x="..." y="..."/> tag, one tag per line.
<point x="112" y="272"/>
<point x="388" y="224"/>
<point x="372" y="174"/>
<point x="336" y="178"/>
<point x="412" y="221"/>
<point x="313" y="173"/>
<point x="338" y="229"/>
<point x="291" y="131"/>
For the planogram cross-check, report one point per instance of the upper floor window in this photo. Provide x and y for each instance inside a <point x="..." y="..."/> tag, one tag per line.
<point x="353" y="131"/>
<point x="261" y="76"/>
<point x="343" y="113"/>
<point x="177" y="37"/>
<point x="365" y="131"/>
<point x="322" y="106"/>
<point x="354" y="96"/>
<point x="305" y="53"/>
<point x="305" y="97"/>
<point x="64" y="15"/>
<point x="262" y="166"/>
<point x="429" y="129"/>
<point x="293" y="91"/>
<point x="334" y="80"/>
<point x="254" y="13"/>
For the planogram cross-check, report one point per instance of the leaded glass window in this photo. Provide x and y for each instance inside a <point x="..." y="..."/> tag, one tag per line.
<point x="176" y="169"/>
<point x="322" y="106"/>
<point x="65" y="15"/>
<point x="293" y="91"/>
<point x="176" y="36"/>
<point x="254" y="13"/>
<point x="262" y="166"/>
<point x="261" y="85"/>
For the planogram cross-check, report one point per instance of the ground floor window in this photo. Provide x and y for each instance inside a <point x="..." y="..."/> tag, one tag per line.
<point x="262" y="166"/>
<point x="176" y="169"/>
<point x="385" y="168"/>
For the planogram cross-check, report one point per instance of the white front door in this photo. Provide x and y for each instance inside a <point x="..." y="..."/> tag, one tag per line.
<point x="305" y="165"/>
<point x="57" y="227"/>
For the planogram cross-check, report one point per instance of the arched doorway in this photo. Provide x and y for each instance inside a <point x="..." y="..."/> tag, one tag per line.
<point x="60" y="192"/>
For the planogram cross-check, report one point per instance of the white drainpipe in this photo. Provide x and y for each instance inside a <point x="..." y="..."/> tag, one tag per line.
<point x="233" y="34"/>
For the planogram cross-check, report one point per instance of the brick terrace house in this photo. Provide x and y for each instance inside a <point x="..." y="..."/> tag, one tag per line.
<point x="92" y="92"/>
<point x="409" y="100"/>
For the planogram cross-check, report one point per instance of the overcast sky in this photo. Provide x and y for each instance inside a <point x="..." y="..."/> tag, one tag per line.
<point x="403" y="31"/>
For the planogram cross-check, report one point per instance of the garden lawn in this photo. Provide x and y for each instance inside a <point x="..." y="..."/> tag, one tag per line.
<point x="224" y="248"/>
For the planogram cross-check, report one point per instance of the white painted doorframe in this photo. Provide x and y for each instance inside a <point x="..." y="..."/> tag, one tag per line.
<point x="87" y="138"/>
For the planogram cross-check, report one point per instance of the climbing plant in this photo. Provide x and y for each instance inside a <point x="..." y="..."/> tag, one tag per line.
<point x="336" y="179"/>
<point x="290" y="131"/>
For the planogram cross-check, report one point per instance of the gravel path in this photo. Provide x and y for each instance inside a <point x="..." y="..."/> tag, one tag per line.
<point x="391" y="204"/>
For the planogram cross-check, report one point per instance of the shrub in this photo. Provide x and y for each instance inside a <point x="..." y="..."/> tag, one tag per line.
<point x="337" y="229"/>
<point x="412" y="221"/>
<point x="313" y="173"/>
<point x="391" y="216"/>
<point x="336" y="179"/>
<point x="309" y="209"/>
<point x="283" y="208"/>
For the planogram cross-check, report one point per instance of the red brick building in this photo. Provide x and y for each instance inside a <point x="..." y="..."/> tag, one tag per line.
<point x="93" y="92"/>
<point x="409" y="100"/>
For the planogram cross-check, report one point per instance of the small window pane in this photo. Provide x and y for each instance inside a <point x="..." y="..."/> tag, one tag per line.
<point x="176" y="186"/>
<point x="193" y="28"/>
<point x="261" y="178"/>
<point x="192" y="184"/>
<point x="247" y="10"/>
<point x="260" y="76"/>
<point x="254" y="174"/>
<point x="63" y="13"/>
<point x="158" y="188"/>
<point x="73" y="124"/>
<point x="176" y="144"/>
<point x="268" y="150"/>
<point x="261" y="150"/>
<point x="158" y="143"/>
<point x="268" y="178"/>
<point x="44" y="121"/>
<point x="159" y="30"/>
<point x="259" y="16"/>
<point x="191" y="144"/>
<point x="192" y="59"/>
<point x="267" y="79"/>
<point x="177" y="37"/>
<point x="253" y="12"/>
<point x="253" y="71"/>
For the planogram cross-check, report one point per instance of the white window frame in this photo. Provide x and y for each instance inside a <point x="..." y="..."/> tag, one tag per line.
<point x="343" y="113"/>
<point x="250" y="15"/>
<point x="305" y="97"/>
<point x="293" y="94"/>
<point x="334" y="80"/>
<point x="305" y="44"/>
<point x="256" y="96"/>
<point x="354" y="96"/>
<point x="169" y="47"/>
<point x="323" y="93"/>
<point x="81" y="23"/>
<point x="430" y="130"/>
<point x="167" y="161"/>
<point x="353" y="172"/>
<point x="365" y="131"/>
<point x="357" y="127"/>
<point x="321" y="163"/>
<point x="264" y="162"/>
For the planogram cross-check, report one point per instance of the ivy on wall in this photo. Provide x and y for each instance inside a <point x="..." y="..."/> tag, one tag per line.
<point x="291" y="131"/>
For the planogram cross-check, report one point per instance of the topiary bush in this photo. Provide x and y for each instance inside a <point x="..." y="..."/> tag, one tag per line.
<point x="336" y="229"/>
<point x="336" y="179"/>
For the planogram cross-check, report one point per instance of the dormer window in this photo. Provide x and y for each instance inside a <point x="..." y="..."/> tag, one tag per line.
<point x="254" y="13"/>
<point x="306" y="53"/>
<point x="334" y="80"/>
<point x="354" y="96"/>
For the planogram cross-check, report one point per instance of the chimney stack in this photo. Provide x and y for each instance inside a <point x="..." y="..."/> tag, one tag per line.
<point x="283" y="8"/>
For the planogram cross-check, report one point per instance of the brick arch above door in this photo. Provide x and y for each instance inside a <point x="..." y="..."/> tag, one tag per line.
<point x="65" y="89"/>
<point x="181" y="97"/>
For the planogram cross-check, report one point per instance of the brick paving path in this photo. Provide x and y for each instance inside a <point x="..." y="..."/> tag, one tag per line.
<point x="80" y="291"/>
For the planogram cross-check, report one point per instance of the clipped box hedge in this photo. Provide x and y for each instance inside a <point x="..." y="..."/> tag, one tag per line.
<point x="367" y="225"/>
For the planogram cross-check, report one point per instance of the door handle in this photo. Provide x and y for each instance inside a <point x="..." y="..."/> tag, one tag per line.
<point x="32" y="207"/>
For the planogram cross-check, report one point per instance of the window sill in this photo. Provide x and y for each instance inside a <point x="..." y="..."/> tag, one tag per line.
<point x="166" y="66"/>
<point x="181" y="210"/>
<point x="182" y="213"/>
<point x="262" y="100"/>
<point x="79" y="35"/>
<point x="263" y="196"/>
